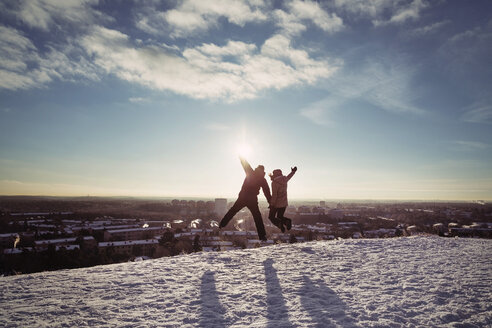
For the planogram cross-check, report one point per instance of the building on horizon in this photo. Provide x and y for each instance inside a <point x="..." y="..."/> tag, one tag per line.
<point x="220" y="206"/>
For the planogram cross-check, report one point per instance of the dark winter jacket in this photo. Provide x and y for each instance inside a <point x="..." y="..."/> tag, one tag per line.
<point x="255" y="179"/>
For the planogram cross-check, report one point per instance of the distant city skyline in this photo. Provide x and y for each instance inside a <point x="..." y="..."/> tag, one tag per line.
<point x="388" y="99"/>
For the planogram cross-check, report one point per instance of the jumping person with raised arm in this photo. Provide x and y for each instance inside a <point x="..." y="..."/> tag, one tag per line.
<point x="248" y="197"/>
<point x="278" y="202"/>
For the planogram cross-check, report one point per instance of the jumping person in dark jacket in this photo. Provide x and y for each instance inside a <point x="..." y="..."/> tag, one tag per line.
<point x="248" y="197"/>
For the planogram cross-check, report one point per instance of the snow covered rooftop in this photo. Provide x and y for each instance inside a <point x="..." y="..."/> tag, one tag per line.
<point x="61" y="241"/>
<point x="9" y="235"/>
<point x="135" y="229"/>
<point x="128" y="243"/>
<point x="396" y="282"/>
<point x="112" y="227"/>
<point x="238" y="233"/>
<point x="12" y="251"/>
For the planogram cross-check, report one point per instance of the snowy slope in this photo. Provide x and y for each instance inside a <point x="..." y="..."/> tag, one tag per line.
<point x="399" y="282"/>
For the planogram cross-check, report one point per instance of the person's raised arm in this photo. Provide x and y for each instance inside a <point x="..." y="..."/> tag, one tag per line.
<point x="293" y="171"/>
<point x="247" y="168"/>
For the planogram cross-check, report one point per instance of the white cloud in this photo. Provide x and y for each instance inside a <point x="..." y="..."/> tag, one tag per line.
<point x="311" y="10"/>
<point x="279" y="47"/>
<point x="196" y="16"/>
<point x="232" y="48"/>
<point x="290" y="24"/>
<point x="191" y="16"/>
<point x="231" y="72"/>
<point x="293" y="19"/>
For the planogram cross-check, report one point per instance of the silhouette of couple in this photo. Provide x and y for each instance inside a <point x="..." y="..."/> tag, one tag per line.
<point x="248" y="197"/>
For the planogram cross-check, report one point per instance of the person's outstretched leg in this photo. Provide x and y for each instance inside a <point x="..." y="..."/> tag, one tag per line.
<point x="238" y="205"/>
<point x="260" y="228"/>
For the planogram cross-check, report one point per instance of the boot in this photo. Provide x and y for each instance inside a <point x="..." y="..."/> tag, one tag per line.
<point x="288" y="223"/>
<point x="280" y="225"/>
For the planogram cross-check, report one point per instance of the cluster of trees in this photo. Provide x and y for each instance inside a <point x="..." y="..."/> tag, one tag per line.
<point x="32" y="261"/>
<point x="171" y="246"/>
<point x="51" y="259"/>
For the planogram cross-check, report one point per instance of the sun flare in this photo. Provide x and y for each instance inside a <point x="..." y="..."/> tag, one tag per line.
<point x="243" y="150"/>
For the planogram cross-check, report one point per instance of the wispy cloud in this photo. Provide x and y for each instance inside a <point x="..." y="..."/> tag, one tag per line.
<point x="319" y="112"/>
<point x="43" y="14"/>
<point x="480" y="112"/>
<point x="138" y="100"/>
<point x="16" y="53"/>
<point x="476" y="41"/>
<point x="22" y="66"/>
<point x="465" y="54"/>
<point x="431" y="28"/>
<point x="383" y="12"/>
<point x="410" y="12"/>
<point x="214" y="126"/>
<point x="384" y="84"/>
<point x="466" y="35"/>
<point x="15" y="187"/>
<point x="316" y="115"/>
<point x="463" y="145"/>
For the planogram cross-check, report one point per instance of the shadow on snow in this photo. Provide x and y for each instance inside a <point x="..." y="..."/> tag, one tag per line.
<point x="324" y="306"/>
<point x="277" y="312"/>
<point x="320" y="302"/>
<point x="212" y="311"/>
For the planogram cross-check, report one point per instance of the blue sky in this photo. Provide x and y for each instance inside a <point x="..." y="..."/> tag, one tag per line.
<point x="381" y="99"/>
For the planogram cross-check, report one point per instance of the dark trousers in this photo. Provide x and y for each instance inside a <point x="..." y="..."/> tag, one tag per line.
<point x="252" y="205"/>
<point x="276" y="215"/>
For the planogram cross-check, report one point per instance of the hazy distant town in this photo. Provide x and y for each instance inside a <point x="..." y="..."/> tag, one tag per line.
<point x="51" y="233"/>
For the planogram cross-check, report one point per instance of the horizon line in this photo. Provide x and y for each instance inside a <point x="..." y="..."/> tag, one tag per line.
<point x="294" y="199"/>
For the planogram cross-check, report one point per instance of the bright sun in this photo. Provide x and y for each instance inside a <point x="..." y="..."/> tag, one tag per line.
<point x="243" y="150"/>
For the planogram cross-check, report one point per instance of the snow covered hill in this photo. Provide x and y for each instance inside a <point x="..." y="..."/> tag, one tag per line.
<point x="399" y="282"/>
